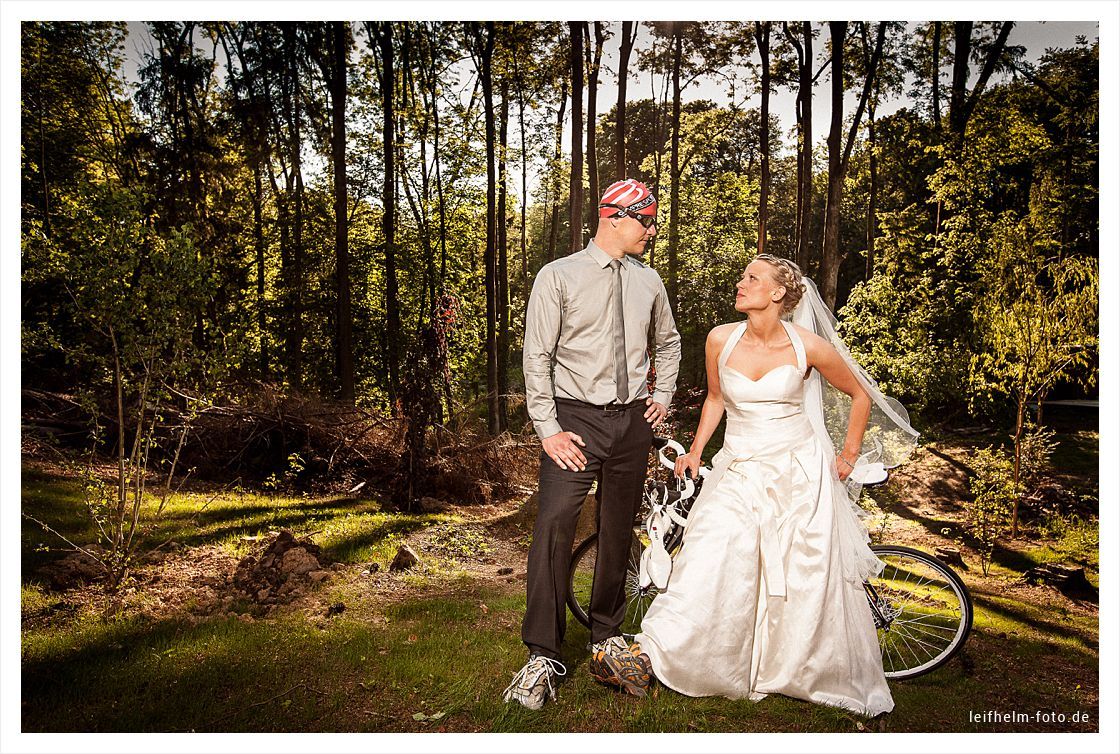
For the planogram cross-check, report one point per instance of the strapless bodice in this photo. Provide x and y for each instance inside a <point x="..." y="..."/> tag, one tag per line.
<point x="766" y="410"/>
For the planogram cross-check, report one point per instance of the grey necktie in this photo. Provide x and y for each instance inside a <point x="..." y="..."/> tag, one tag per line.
<point x="621" y="374"/>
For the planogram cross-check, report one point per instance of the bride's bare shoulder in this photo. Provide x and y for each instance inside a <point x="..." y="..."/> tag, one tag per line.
<point x="813" y="342"/>
<point x="719" y="334"/>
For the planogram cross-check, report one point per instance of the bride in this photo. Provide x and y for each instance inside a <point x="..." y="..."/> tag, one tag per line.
<point x="766" y="594"/>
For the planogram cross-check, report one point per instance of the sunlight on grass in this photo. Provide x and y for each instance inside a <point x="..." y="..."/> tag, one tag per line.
<point x="440" y="651"/>
<point x="32" y="598"/>
<point x="1056" y="628"/>
<point x="350" y="530"/>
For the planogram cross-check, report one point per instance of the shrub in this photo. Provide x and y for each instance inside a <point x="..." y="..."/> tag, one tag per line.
<point x="988" y="514"/>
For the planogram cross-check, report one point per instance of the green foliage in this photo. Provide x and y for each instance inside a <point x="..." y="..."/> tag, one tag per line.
<point x="987" y="286"/>
<point x="897" y="324"/>
<point x="291" y="474"/>
<point x="167" y="205"/>
<point x="1037" y="319"/>
<point x="1074" y="537"/>
<point x="1036" y="448"/>
<point x="988" y="514"/>
<point x="459" y="541"/>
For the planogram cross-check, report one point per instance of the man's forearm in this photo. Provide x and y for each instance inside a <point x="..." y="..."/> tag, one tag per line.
<point x="540" y="403"/>
<point x="667" y="356"/>
<point x="667" y="361"/>
<point x="542" y="329"/>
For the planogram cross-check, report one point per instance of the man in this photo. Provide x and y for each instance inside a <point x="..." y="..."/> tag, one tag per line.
<point x="585" y="363"/>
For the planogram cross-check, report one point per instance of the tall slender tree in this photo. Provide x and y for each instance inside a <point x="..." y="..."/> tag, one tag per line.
<point x="962" y="102"/>
<point x="677" y="41"/>
<point x="839" y="154"/>
<point x="558" y="146"/>
<point x="381" y="37"/>
<point x="594" y="62"/>
<point x="629" y="35"/>
<point x="503" y="304"/>
<point x="482" y="38"/>
<point x="936" y="74"/>
<point x="294" y="332"/>
<point x="344" y="346"/>
<point x="762" y="41"/>
<point x="575" y="183"/>
<point x="802" y="41"/>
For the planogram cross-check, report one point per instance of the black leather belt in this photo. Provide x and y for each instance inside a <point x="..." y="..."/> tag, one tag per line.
<point x="608" y="407"/>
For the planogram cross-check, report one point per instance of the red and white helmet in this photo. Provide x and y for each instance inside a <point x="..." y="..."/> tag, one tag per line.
<point x="627" y="195"/>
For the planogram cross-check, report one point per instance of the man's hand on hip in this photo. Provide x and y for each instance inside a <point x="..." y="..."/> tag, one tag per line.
<point x="655" y="413"/>
<point x="562" y="448"/>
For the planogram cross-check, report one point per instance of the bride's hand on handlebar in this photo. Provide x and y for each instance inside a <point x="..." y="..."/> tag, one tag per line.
<point x="690" y="461"/>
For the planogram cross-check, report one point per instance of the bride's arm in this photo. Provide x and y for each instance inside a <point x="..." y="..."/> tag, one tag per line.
<point x="828" y="362"/>
<point x="712" y="411"/>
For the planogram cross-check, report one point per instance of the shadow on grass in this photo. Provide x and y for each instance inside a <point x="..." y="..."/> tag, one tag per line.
<point x="930" y="524"/>
<point x="1013" y="560"/>
<point x="999" y="606"/>
<point x="351" y="674"/>
<point x="350" y="546"/>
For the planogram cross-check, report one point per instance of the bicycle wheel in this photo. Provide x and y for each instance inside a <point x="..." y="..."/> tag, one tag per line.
<point x="922" y="610"/>
<point x="582" y="574"/>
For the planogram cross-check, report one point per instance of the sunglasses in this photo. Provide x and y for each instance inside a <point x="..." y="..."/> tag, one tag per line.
<point x="645" y="220"/>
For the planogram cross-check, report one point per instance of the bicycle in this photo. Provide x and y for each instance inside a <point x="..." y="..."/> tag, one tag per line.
<point x="921" y="607"/>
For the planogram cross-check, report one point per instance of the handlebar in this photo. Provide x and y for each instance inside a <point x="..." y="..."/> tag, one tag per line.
<point x="671" y="444"/>
<point x="687" y="487"/>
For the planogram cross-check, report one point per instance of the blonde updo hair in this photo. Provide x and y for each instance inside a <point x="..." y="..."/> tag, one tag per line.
<point x="788" y="275"/>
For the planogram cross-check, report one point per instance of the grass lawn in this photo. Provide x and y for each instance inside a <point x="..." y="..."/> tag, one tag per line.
<point x="432" y="649"/>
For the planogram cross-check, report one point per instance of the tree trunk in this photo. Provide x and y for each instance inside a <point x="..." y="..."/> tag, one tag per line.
<point x="388" y="220"/>
<point x="1020" y="414"/>
<point x="799" y="109"/>
<point x="674" y="166"/>
<point x="554" y="225"/>
<point x="503" y="262"/>
<point x="985" y="73"/>
<point x="831" y="256"/>
<point x="629" y="34"/>
<point x="524" y="174"/>
<point x="961" y="48"/>
<point x="872" y="192"/>
<point x="804" y="47"/>
<point x="937" y="75"/>
<point x="297" y="231"/>
<point x="575" y="183"/>
<point x="439" y="178"/>
<point x="660" y="118"/>
<point x="258" y="241"/>
<point x="872" y="167"/>
<point x="486" y="50"/>
<point x="345" y="345"/>
<point x="762" y="38"/>
<point x="830" y="249"/>
<point x="592" y="114"/>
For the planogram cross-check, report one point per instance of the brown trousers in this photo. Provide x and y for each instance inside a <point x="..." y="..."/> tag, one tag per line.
<point x="617" y="451"/>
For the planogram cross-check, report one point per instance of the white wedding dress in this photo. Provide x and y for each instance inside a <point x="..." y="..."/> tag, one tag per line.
<point x="760" y="599"/>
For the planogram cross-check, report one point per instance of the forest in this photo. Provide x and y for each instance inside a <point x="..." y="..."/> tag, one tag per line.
<point x="290" y="261"/>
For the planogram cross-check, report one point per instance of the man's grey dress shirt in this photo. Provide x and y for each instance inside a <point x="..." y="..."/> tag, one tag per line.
<point x="568" y="339"/>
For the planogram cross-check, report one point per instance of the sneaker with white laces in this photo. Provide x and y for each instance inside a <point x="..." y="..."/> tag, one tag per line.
<point x="533" y="684"/>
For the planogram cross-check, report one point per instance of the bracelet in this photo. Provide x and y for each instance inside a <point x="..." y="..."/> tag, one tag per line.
<point x="845" y="460"/>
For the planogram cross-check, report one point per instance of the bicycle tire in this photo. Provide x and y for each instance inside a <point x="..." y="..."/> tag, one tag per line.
<point x="579" y="584"/>
<point x="935" y="611"/>
<point x="638" y="601"/>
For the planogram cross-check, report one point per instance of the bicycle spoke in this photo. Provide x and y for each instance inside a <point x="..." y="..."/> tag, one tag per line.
<point x="911" y="627"/>
<point x="922" y="644"/>
<point x="916" y="622"/>
<point x="906" y="640"/>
